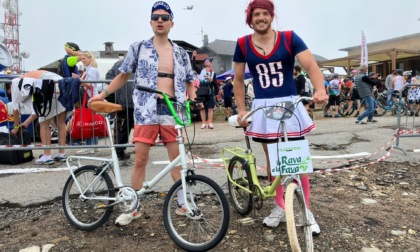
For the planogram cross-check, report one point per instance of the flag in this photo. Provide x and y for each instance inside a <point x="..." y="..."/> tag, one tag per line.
<point x="364" y="52"/>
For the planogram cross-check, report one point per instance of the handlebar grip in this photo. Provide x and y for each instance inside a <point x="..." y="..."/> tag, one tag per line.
<point x="143" y="88"/>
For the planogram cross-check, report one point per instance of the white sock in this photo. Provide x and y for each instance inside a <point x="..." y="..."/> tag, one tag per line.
<point x="180" y="197"/>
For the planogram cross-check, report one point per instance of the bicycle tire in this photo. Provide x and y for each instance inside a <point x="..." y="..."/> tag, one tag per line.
<point x="295" y="210"/>
<point x="380" y="108"/>
<point x="394" y="109"/>
<point x="85" y="214"/>
<point x="239" y="172"/>
<point x="206" y="230"/>
<point x="344" y="105"/>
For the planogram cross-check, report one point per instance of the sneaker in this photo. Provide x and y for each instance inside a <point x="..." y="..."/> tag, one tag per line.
<point x="126" y="218"/>
<point x="360" y="122"/>
<point x="417" y="114"/>
<point x="326" y="115"/>
<point x="123" y="156"/>
<point x="276" y="216"/>
<point x="372" y="121"/>
<point x="203" y="126"/>
<point x="86" y="151"/>
<point x="44" y="160"/>
<point x="337" y="115"/>
<point x="357" y="114"/>
<point x="314" y="226"/>
<point x="211" y="126"/>
<point x="181" y="210"/>
<point x="60" y="157"/>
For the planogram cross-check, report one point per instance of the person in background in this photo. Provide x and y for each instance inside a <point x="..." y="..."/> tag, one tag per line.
<point x="334" y="89"/>
<point x="267" y="54"/>
<point x="364" y="86"/>
<point x="207" y="78"/>
<point x="227" y="93"/>
<point x="413" y="94"/>
<point x="398" y="81"/>
<point x="159" y="64"/>
<point x="388" y="86"/>
<point x="57" y="115"/>
<point x="68" y="64"/>
<point x="374" y="77"/>
<point x="124" y="119"/>
<point x="90" y="74"/>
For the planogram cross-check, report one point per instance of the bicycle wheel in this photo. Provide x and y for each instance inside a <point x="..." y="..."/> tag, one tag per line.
<point x="87" y="214"/>
<point x="344" y="105"/>
<point x="208" y="226"/>
<point x="239" y="172"/>
<point x="395" y="109"/>
<point x="298" y="228"/>
<point x="380" y="108"/>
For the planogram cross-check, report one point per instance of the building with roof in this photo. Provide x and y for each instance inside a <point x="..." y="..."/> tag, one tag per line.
<point x="384" y="56"/>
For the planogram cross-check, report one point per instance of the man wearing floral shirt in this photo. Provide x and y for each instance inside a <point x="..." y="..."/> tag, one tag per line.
<point x="160" y="64"/>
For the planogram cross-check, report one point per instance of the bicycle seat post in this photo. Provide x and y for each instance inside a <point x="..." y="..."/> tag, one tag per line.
<point x="248" y="143"/>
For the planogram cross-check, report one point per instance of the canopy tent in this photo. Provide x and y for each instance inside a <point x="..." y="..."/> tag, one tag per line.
<point x="230" y="73"/>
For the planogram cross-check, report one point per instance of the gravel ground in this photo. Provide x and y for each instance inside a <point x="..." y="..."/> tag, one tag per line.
<point x="363" y="210"/>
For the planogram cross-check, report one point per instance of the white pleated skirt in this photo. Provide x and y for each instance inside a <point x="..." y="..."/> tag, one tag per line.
<point x="298" y="125"/>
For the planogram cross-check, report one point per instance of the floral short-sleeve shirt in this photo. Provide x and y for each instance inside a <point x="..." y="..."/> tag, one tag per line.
<point x="144" y="65"/>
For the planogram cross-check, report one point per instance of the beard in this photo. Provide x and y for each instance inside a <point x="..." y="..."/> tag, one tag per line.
<point x="263" y="30"/>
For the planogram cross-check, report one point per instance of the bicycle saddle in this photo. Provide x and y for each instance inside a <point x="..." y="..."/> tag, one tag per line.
<point x="233" y="120"/>
<point x="104" y="107"/>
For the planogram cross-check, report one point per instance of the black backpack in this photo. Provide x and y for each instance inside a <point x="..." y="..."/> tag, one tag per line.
<point x="64" y="70"/>
<point x="42" y="97"/>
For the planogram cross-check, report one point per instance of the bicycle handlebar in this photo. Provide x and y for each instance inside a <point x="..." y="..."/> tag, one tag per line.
<point x="288" y="105"/>
<point x="171" y="107"/>
<point x="150" y="90"/>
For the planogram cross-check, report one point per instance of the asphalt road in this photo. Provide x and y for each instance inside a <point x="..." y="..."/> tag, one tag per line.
<point x="31" y="184"/>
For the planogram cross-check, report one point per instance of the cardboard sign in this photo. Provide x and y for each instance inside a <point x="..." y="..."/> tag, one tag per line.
<point x="291" y="157"/>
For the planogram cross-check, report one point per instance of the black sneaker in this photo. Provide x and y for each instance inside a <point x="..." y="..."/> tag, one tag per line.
<point x="372" y="121"/>
<point x="357" y="114"/>
<point x="123" y="156"/>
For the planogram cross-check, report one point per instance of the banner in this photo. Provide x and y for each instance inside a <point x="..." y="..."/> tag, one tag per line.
<point x="291" y="157"/>
<point x="364" y="53"/>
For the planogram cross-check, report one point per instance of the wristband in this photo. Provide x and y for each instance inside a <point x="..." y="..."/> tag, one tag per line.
<point x="106" y="92"/>
<point x="16" y="127"/>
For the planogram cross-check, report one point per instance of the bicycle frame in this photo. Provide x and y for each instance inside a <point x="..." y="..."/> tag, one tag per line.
<point x="181" y="159"/>
<point x="268" y="191"/>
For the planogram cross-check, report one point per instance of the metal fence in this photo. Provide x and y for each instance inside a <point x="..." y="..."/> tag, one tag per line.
<point x="408" y="120"/>
<point x="33" y="129"/>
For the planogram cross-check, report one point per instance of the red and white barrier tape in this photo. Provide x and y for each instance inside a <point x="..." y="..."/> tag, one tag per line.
<point x="216" y="165"/>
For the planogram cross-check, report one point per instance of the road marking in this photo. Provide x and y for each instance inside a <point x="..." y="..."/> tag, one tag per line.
<point x="342" y="156"/>
<point x="216" y="160"/>
<point x="32" y="170"/>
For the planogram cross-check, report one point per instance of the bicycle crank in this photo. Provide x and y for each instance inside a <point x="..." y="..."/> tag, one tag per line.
<point x="257" y="200"/>
<point x="127" y="198"/>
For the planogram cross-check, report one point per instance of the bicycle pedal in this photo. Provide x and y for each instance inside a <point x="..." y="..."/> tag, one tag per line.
<point x="246" y="221"/>
<point x="101" y="206"/>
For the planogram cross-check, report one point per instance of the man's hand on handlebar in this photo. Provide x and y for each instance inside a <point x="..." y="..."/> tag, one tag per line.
<point x="241" y="116"/>
<point x="197" y="102"/>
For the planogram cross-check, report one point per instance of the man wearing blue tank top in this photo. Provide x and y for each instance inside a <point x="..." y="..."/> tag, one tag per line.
<point x="270" y="56"/>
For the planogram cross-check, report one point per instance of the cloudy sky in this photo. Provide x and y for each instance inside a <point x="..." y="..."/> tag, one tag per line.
<point x="325" y="25"/>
